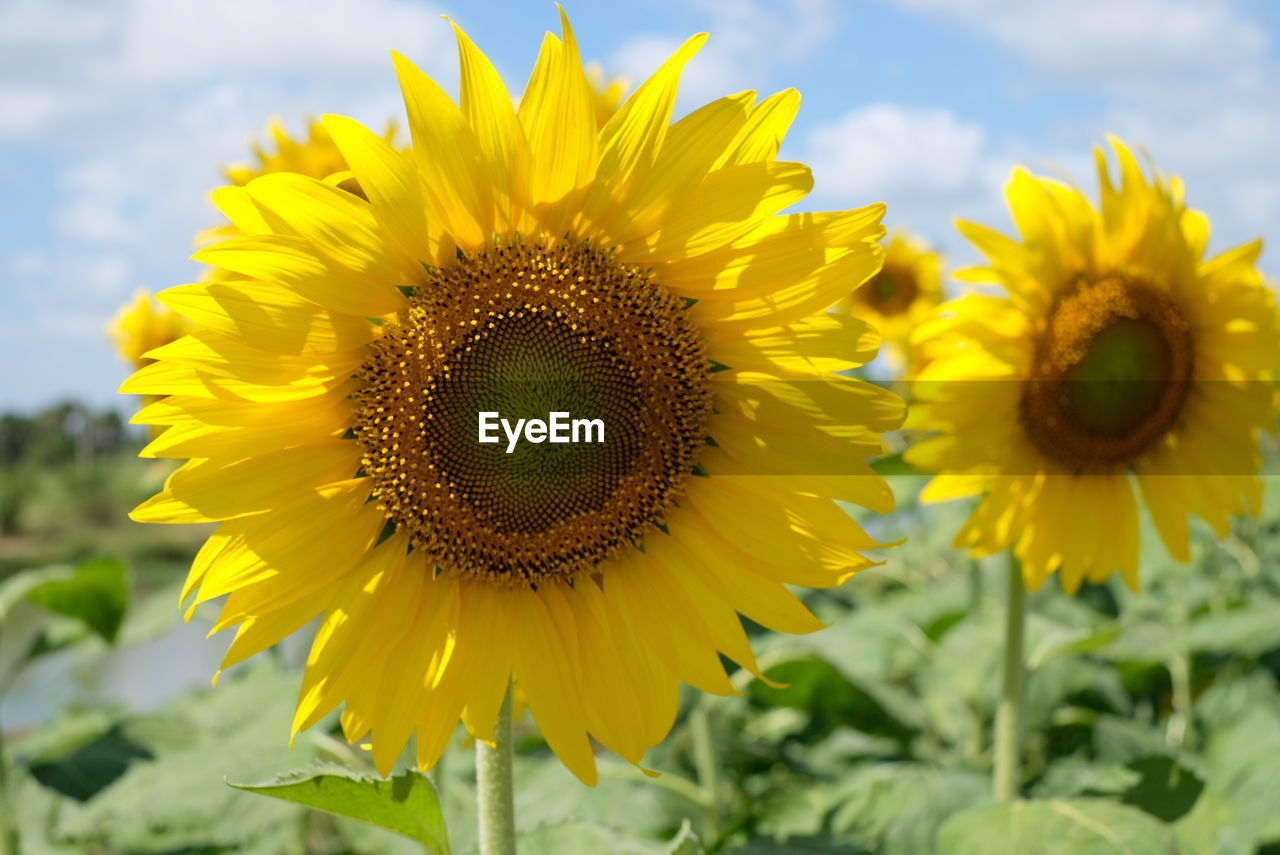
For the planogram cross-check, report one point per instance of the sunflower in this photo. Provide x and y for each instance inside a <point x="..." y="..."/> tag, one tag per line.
<point x="314" y="153"/>
<point x="606" y="93"/>
<point x="901" y="296"/>
<point x="519" y="263"/>
<point x="140" y="326"/>
<point x="1117" y="354"/>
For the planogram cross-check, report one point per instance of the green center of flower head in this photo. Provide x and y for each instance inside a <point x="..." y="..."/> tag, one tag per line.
<point x="891" y="291"/>
<point x="522" y="485"/>
<point x="1118" y="384"/>
<point x="1111" y="373"/>
<point x="522" y="332"/>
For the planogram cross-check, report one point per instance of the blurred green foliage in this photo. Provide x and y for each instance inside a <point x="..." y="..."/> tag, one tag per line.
<point x="1153" y="717"/>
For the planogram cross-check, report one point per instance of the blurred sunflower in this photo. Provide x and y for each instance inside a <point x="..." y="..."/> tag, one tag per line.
<point x="525" y="261"/>
<point x="606" y="93"/>
<point x="901" y="296"/>
<point x="142" y="325"/>
<point x="314" y="153"/>
<point x="1118" y="349"/>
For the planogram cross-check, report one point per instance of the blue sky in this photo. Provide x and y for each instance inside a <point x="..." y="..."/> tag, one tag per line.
<point x="114" y="116"/>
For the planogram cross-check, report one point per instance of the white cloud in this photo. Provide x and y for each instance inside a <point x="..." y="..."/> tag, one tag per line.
<point x="26" y="110"/>
<point x="750" y="40"/>
<point x="182" y="40"/>
<point x="136" y="104"/>
<point x="1191" y="82"/>
<point x="107" y="65"/>
<point x="883" y="150"/>
<point x="1118" y="45"/>
<point x="927" y="165"/>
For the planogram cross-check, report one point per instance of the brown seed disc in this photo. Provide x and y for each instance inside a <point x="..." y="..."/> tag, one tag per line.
<point x="1111" y="372"/>
<point x="524" y="330"/>
<point x="891" y="291"/>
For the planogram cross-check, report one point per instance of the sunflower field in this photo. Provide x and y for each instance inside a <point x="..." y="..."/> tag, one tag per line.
<point x="542" y="471"/>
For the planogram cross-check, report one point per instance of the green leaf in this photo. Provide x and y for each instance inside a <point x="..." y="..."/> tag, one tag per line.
<point x="585" y="838"/>
<point x="685" y="842"/>
<point x="406" y="804"/>
<point x="894" y="464"/>
<point x="178" y="801"/>
<point x="624" y="799"/>
<point x="1249" y="631"/>
<point x="1077" y="775"/>
<point x="832" y="698"/>
<point x="88" y="769"/>
<point x="1056" y="827"/>
<point x="896" y="808"/>
<point x="1062" y="641"/>
<point x="95" y="593"/>
<point x="1241" y="780"/>
<point x="1164" y="789"/>
<point x="809" y="845"/>
<point x="1155" y="783"/>
<point x="1124" y="740"/>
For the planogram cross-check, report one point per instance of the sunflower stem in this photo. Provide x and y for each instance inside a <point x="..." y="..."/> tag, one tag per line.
<point x="707" y="765"/>
<point x="1007" y="777"/>
<point x="1180" y="735"/>
<point x="975" y="586"/>
<point x="9" y="844"/>
<point x="495" y="789"/>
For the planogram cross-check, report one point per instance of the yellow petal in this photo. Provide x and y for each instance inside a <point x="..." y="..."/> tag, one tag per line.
<point x="691" y="148"/>
<point x="267" y="317"/>
<point x="549" y="677"/>
<point x="488" y="110"/>
<point x="378" y="599"/>
<point x="764" y="601"/>
<point x="390" y="181"/>
<point x="294" y="263"/>
<point x="630" y="142"/>
<point x="761" y="136"/>
<point x="236" y="206"/>
<point x="206" y="490"/>
<point x="654" y="615"/>
<point x="785" y="269"/>
<point x="826" y="343"/>
<point x="330" y="526"/>
<point x="338" y="224"/>
<point x="727" y="204"/>
<point x="448" y="157"/>
<point x="486" y="646"/>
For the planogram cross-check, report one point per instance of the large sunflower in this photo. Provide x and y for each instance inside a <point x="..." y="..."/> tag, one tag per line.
<point x="1117" y="350"/>
<point x="901" y="296"/>
<point x="524" y="262"/>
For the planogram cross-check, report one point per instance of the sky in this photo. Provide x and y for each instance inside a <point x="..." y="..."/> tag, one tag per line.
<point x="116" y="116"/>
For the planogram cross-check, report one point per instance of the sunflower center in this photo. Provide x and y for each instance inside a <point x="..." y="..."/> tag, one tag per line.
<point x="891" y="291"/>
<point x="1111" y="373"/>
<point x="525" y="331"/>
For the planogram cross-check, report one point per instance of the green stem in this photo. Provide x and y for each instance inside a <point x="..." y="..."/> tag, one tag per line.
<point x="707" y="765"/>
<point x="975" y="587"/>
<point x="1007" y="777"/>
<point x="9" y="844"/>
<point x="1180" y="736"/>
<point x="495" y="790"/>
